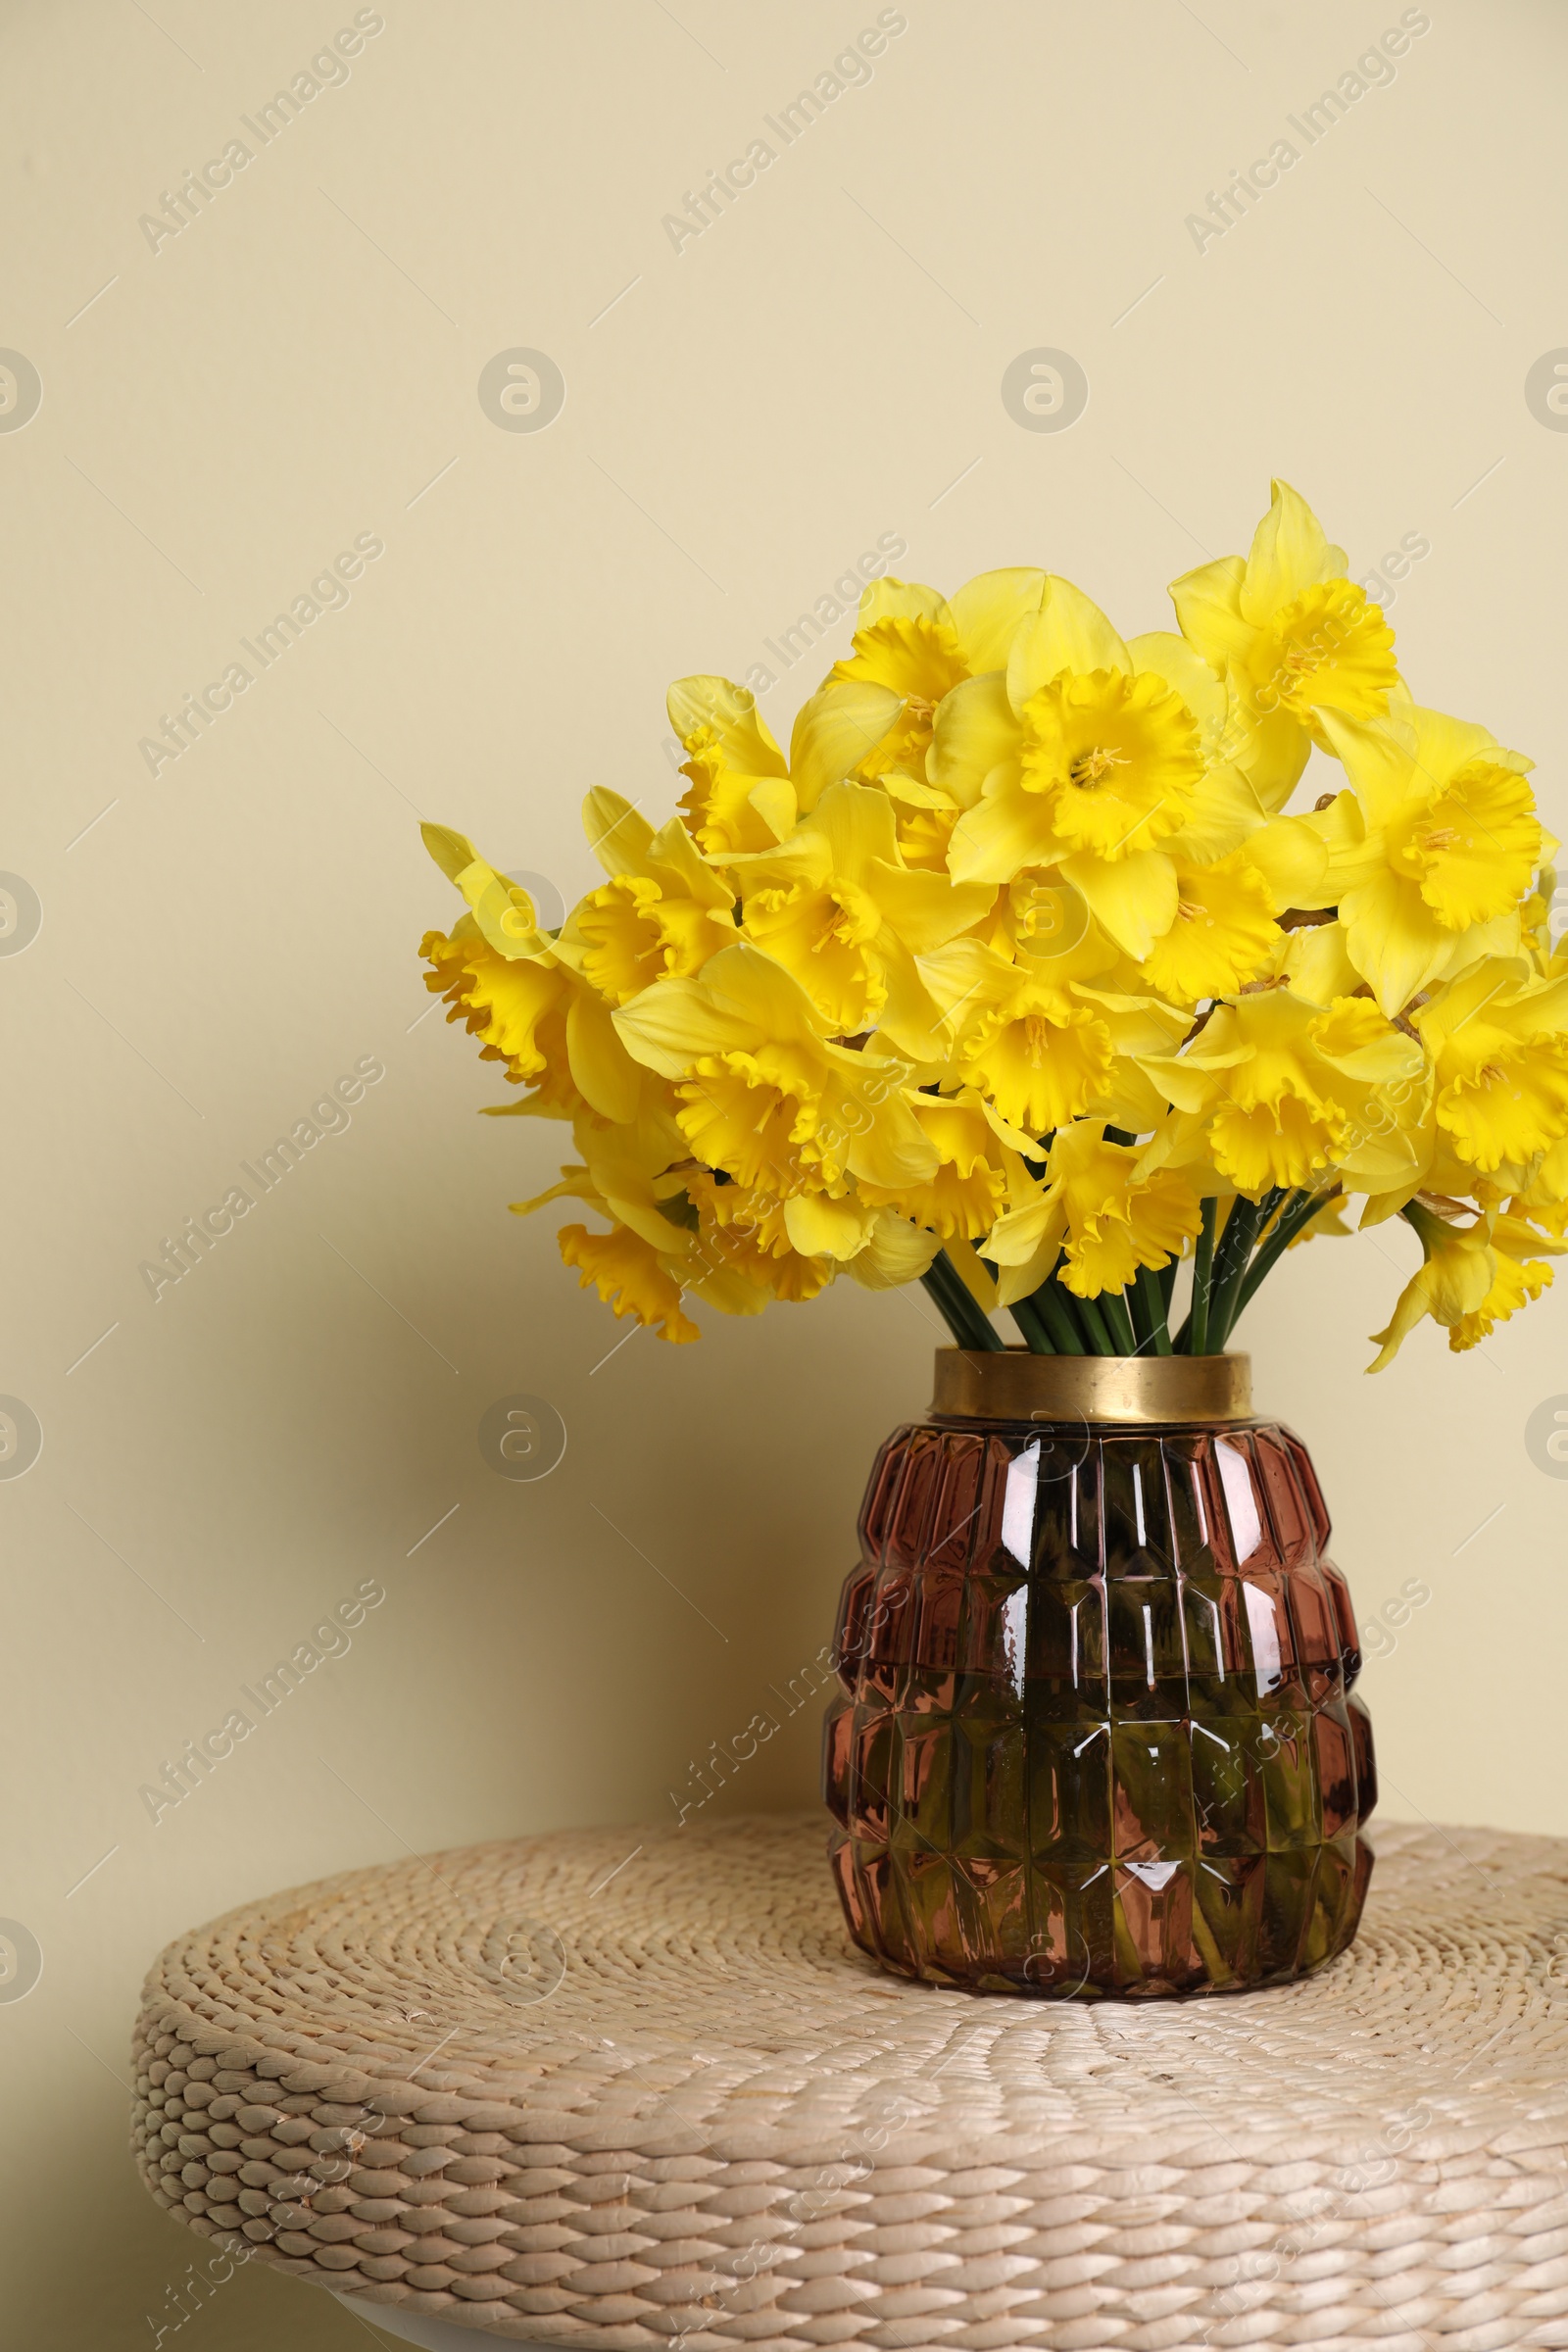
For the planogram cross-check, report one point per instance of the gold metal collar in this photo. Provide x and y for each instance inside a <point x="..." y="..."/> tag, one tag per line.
<point x="1012" y="1385"/>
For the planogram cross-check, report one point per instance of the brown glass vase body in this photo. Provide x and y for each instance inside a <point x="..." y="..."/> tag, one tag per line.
<point x="1096" y="1736"/>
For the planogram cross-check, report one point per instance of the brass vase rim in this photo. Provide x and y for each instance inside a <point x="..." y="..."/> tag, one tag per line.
<point x="1011" y="1384"/>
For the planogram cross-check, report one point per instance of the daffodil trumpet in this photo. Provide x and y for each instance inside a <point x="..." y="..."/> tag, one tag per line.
<point x="1076" y="977"/>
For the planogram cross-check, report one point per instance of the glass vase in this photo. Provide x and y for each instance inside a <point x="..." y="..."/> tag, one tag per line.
<point x="1096" y="1735"/>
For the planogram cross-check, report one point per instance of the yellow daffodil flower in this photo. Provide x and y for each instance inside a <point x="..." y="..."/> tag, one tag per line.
<point x="640" y="1266"/>
<point x="1285" y="1087"/>
<point x="665" y="909"/>
<point x="624" y="1170"/>
<point x="836" y="905"/>
<point x="506" y="979"/>
<point x="1072" y="749"/>
<point x="1472" y="1278"/>
<point x="1451" y="844"/>
<point x="517" y="1011"/>
<point x="1224" y="933"/>
<point x="1102" y="760"/>
<point x="765" y="1095"/>
<point x="744" y="795"/>
<point x="921" y="645"/>
<point x="1292" y="635"/>
<point x="1092" y="1205"/>
<point x="1458" y="1275"/>
<point x="1498" y="1043"/>
<point x="1035" y="1034"/>
<point x="744" y="1229"/>
<point x="979" y="1156"/>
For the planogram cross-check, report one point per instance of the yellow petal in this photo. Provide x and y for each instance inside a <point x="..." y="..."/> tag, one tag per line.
<point x="989" y="611"/>
<point x="774" y="800"/>
<point x="731" y="1290"/>
<point x="1069" y="633"/>
<point x="576" y="1185"/>
<point x="1443" y="744"/>
<point x="1138" y="1025"/>
<point x="916" y="793"/>
<point x="966" y="975"/>
<point x="1270" y="748"/>
<point x="1135" y="899"/>
<point x="752" y="988"/>
<point x="1025" y="1245"/>
<point x="1009" y="829"/>
<point x="1378" y="756"/>
<point x="1317" y="965"/>
<point x="834" y="731"/>
<point x="1411" y="1308"/>
<point x="1293" y="860"/>
<point x="887" y="1146"/>
<point x="857" y="823"/>
<point x="671" y="1024"/>
<point x="1223" y="935"/>
<point x="451" y="850"/>
<point x="628" y="1276"/>
<point x="503" y="911"/>
<point x="601" y="1070"/>
<point x="675" y="864"/>
<point x="1352" y="856"/>
<point x="909" y="1020"/>
<point x="1289" y="553"/>
<point x="976" y="733"/>
<point x="902" y="599"/>
<point x="818" y="1227"/>
<point x="1208" y="612"/>
<point x="617" y="834"/>
<point x="1355" y="1038"/>
<point x="1459" y="1273"/>
<point x="1393" y="939"/>
<point x="925" y="910"/>
<point x="1187" y="673"/>
<point x="728" y="715"/>
<point x="1225" y="812"/>
<point x="895" y="1254"/>
<point x="1393" y="1164"/>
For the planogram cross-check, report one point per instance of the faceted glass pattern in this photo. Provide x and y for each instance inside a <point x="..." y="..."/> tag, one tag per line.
<point x="1096" y="1734"/>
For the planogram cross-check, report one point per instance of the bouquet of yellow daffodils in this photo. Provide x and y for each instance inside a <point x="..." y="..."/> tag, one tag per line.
<point x="1028" y="973"/>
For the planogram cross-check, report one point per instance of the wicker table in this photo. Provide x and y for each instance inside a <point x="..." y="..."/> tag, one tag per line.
<point x="625" y="2088"/>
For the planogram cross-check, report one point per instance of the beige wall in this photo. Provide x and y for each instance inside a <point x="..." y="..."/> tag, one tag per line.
<point x="221" y="941"/>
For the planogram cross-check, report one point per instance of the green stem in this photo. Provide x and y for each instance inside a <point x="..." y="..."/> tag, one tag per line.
<point x="969" y="1324"/>
<point x="1157" y="1306"/>
<point x="1032" y="1324"/>
<point x="1100" y="1339"/>
<point x="1166" y="1279"/>
<point x="1230" y="1262"/>
<point x="1137" y="1299"/>
<point x="1297" y="1212"/>
<point x="1052" y="1305"/>
<point x="1195" y="1328"/>
<point x="1118" y="1322"/>
<point x="942" y="1299"/>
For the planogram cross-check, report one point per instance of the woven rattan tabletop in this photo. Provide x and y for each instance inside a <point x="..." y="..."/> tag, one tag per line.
<point x="621" y="2089"/>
